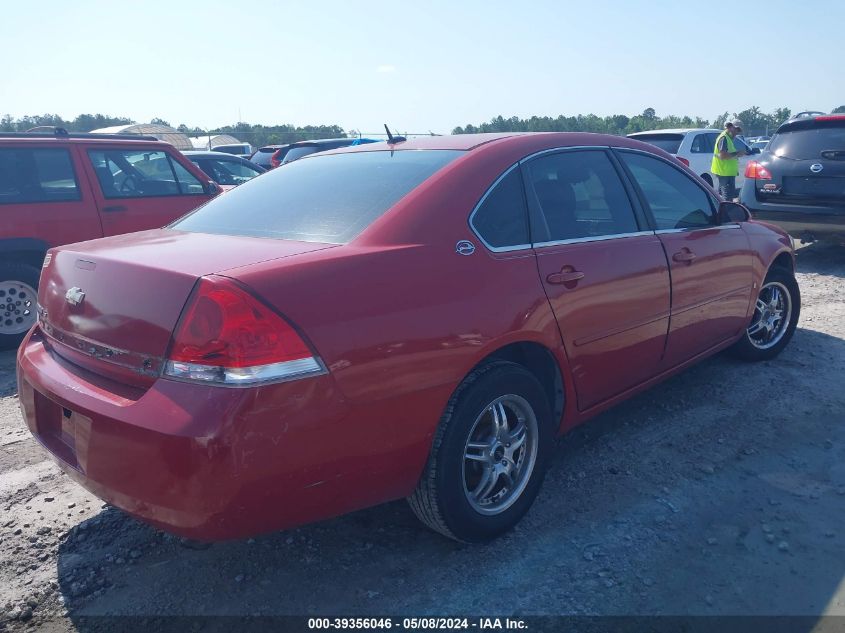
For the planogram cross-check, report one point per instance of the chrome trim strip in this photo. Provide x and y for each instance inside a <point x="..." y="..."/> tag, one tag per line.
<point x="592" y="238"/>
<point x="697" y="228"/>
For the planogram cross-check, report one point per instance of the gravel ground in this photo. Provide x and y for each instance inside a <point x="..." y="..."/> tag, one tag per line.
<point x="719" y="492"/>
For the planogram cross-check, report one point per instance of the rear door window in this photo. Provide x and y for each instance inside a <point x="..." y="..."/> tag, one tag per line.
<point x="666" y="141"/>
<point x="330" y="198"/>
<point x="675" y="200"/>
<point x="37" y="175"/>
<point x="577" y="194"/>
<point x="141" y="174"/>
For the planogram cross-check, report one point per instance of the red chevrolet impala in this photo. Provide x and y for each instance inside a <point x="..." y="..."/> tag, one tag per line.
<point x="417" y="319"/>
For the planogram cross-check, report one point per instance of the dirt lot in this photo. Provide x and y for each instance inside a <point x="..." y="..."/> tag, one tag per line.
<point x="721" y="491"/>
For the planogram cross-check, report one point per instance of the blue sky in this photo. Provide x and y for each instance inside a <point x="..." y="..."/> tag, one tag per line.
<point x="418" y="66"/>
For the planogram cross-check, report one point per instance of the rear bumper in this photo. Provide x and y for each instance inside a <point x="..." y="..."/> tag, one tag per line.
<point x="205" y="462"/>
<point x="820" y="221"/>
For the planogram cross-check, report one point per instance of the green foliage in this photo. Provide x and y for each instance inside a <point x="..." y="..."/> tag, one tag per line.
<point x="82" y="123"/>
<point x="755" y="122"/>
<point x="839" y="110"/>
<point x="257" y="135"/>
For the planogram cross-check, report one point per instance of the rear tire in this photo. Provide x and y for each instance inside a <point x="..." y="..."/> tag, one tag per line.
<point x="489" y="455"/>
<point x="18" y="298"/>
<point x="767" y="334"/>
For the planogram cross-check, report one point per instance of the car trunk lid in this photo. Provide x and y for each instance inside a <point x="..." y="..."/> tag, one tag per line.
<point x="110" y="306"/>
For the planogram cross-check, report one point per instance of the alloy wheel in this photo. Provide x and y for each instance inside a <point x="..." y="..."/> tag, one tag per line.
<point x="772" y="315"/>
<point x="500" y="454"/>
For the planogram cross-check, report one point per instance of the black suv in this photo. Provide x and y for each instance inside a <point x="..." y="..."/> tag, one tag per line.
<point x="798" y="182"/>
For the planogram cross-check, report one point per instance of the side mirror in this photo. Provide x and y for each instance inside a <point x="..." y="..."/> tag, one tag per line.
<point x="211" y="188"/>
<point x="732" y="212"/>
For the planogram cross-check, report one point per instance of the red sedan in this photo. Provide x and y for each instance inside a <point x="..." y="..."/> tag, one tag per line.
<point x="418" y="319"/>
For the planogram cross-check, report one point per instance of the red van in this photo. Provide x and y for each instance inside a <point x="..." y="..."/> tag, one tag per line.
<point x="61" y="188"/>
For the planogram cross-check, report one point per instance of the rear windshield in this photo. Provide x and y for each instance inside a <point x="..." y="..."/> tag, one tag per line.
<point x="298" y="152"/>
<point x="667" y="142"/>
<point x="329" y="198"/>
<point x="809" y="139"/>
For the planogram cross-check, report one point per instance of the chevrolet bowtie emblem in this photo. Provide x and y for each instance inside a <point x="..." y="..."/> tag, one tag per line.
<point x="75" y="296"/>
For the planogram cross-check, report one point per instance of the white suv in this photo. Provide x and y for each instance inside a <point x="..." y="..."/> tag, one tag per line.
<point x="694" y="147"/>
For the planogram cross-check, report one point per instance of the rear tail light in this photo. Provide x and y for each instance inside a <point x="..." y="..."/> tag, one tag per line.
<point x="683" y="161"/>
<point x="226" y="336"/>
<point x="756" y="171"/>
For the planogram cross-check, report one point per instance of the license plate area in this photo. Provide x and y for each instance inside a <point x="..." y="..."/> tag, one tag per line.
<point x="58" y="428"/>
<point x="814" y="187"/>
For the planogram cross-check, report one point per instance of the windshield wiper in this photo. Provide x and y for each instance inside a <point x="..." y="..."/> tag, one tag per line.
<point x="834" y="154"/>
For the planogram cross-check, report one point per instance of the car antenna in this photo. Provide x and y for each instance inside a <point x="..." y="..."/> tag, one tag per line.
<point x="393" y="139"/>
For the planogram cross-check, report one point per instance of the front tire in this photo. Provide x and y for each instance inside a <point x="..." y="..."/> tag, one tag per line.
<point x="489" y="455"/>
<point x="776" y="313"/>
<point x="18" y="297"/>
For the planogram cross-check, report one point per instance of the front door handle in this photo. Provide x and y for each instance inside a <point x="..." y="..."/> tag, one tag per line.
<point x="684" y="256"/>
<point x="565" y="277"/>
<point x="112" y="209"/>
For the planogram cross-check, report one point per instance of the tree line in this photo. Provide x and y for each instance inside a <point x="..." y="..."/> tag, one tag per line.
<point x="755" y="121"/>
<point x="257" y="135"/>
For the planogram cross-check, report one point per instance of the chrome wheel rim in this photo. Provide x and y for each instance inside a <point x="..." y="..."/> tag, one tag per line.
<point x="772" y="315"/>
<point x="500" y="454"/>
<point x="17" y="307"/>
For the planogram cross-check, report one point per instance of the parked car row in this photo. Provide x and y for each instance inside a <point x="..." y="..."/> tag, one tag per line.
<point x="412" y="319"/>
<point x="62" y="188"/>
<point x="795" y="179"/>
<point x="694" y="148"/>
<point x="272" y="156"/>
<point x="59" y="188"/>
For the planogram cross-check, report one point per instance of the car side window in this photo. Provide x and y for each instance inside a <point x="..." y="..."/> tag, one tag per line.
<point x="37" y="175"/>
<point x="502" y="219"/>
<point x="141" y="174"/>
<point x="577" y="194"/>
<point x="188" y="183"/>
<point x="675" y="200"/>
<point x="699" y="144"/>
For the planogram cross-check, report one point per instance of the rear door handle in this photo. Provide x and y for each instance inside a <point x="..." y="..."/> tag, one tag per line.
<point x="565" y="277"/>
<point x="685" y="255"/>
<point x="112" y="209"/>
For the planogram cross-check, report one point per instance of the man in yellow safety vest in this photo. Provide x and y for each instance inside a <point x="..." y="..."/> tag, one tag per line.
<point x="725" y="164"/>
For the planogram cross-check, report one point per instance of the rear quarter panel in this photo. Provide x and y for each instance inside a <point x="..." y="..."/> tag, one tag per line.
<point x="400" y="324"/>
